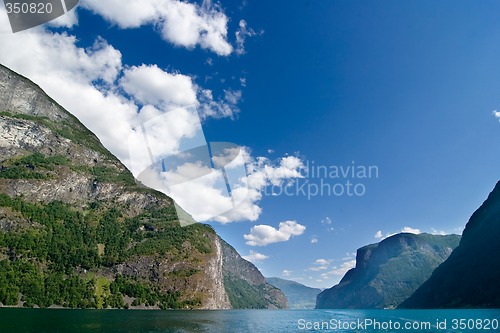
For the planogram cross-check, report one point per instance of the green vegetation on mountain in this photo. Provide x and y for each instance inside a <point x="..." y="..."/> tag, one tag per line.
<point x="78" y="231"/>
<point x="245" y="285"/>
<point x="244" y="295"/>
<point x="470" y="277"/>
<point x="64" y="239"/>
<point x="388" y="272"/>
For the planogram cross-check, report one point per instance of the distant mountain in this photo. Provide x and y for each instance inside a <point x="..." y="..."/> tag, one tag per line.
<point x="470" y="277"/>
<point x="299" y="296"/>
<point x="388" y="272"/>
<point x="77" y="230"/>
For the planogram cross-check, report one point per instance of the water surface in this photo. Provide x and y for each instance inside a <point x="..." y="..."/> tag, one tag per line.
<point x="258" y="321"/>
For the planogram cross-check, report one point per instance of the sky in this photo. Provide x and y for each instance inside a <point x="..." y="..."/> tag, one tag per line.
<point x="352" y="120"/>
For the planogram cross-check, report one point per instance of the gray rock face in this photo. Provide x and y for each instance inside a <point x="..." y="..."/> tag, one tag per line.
<point x="22" y="96"/>
<point x="243" y="281"/>
<point x="388" y="272"/>
<point x="47" y="156"/>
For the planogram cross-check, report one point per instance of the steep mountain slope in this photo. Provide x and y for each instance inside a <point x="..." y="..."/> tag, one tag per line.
<point x="77" y="230"/>
<point x="470" y="277"/>
<point x="388" y="272"/>
<point x="245" y="285"/>
<point x="299" y="296"/>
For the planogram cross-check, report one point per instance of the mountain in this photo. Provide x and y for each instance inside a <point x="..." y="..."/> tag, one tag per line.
<point x="470" y="277"/>
<point x="298" y="295"/>
<point x="77" y="230"/>
<point x="245" y="285"/>
<point x="388" y="272"/>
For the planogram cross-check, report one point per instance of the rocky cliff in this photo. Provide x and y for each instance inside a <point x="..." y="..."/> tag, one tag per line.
<point x="470" y="277"/>
<point x="246" y="286"/>
<point x="77" y="230"/>
<point x="388" y="272"/>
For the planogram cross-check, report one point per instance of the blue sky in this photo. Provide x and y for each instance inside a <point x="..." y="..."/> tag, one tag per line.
<point x="410" y="88"/>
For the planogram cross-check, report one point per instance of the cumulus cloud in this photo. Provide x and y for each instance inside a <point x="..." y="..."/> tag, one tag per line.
<point x="255" y="256"/>
<point x="286" y="272"/>
<point x="179" y="22"/>
<point x="496" y="114"/>
<point x="411" y="230"/>
<point x="68" y="20"/>
<point x="222" y="107"/>
<point x="241" y="35"/>
<point x="438" y="232"/>
<point x="263" y="172"/>
<point x="314" y="240"/>
<point x="343" y="268"/>
<point x="319" y="265"/>
<point x="84" y="81"/>
<point x="243" y="204"/>
<point x="94" y="85"/>
<point x="246" y="176"/>
<point x="261" y="235"/>
<point x="151" y="85"/>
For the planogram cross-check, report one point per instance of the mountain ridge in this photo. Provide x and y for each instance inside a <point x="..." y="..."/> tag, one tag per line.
<point x="387" y="272"/>
<point x="77" y="230"/>
<point x="455" y="283"/>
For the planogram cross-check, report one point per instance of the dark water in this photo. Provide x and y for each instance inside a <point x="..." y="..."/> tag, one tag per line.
<point x="258" y="321"/>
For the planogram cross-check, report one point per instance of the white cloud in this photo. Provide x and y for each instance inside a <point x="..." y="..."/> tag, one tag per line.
<point x="226" y="107"/>
<point x="255" y="256"/>
<point x="321" y="262"/>
<point x="68" y="20"/>
<point x="326" y="221"/>
<point x="262" y="172"/>
<point x="496" y="114"/>
<point x="343" y="268"/>
<point x="286" y="272"/>
<point x="438" y="232"/>
<point x="261" y="235"/>
<point x="408" y="230"/>
<point x="411" y="230"/>
<point x="181" y="23"/>
<point x="67" y="72"/>
<point x="314" y="240"/>
<point x="151" y="85"/>
<point x="246" y="187"/>
<point x="241" y="35"/>
<point x="319" y="265"/>
<point x="88" y="82"/>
